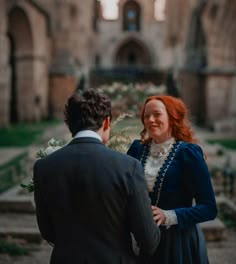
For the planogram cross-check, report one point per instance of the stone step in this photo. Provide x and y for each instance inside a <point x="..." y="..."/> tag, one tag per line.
<point x="17" y="204"/>
<point x="17" y="200"/>
<point x="30" y="235"/>
<point x="21" y="207"/>
<point x="20" y="226"/>
<point x="214" y="230"/>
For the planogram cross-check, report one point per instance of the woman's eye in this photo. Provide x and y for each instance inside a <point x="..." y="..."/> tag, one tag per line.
<point x="147" y="116"/>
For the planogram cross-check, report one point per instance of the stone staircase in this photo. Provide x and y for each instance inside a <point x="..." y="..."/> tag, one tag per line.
<point x="18" y="216"/>
<point x="18" y="219"/>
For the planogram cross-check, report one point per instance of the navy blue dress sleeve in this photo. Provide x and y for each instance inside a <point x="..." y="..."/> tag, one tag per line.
<point x="198" y="180"/>
<point x="135" y="149"/>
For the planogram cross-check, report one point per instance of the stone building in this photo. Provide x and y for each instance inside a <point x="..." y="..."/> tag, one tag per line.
<point x="45" y="46"/>
<point x="135" y="38"/>
<point x="202" y="34"/>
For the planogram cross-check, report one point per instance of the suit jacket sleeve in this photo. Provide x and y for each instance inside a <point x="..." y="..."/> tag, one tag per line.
<point x="42" y="214"/>
<point x="142" y="225"/>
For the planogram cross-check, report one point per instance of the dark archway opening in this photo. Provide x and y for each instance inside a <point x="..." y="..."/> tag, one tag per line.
<point x="133" y="54"/>
<point x="13" y="93"/>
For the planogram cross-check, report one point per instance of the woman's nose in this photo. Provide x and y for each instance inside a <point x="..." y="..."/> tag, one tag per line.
<point x="151" y="118"/>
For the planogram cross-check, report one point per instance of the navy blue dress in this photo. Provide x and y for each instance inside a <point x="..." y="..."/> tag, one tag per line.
<point x="182" y="179"/>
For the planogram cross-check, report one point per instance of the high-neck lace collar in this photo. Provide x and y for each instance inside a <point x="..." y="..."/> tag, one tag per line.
<point x="160" y="149"/>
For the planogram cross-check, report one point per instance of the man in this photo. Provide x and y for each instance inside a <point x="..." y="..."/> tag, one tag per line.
<point x="89" y="197"/>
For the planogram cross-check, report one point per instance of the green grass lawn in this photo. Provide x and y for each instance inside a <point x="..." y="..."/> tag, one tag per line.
<point x="21" y="135"/>
<point x="228" y="143"/>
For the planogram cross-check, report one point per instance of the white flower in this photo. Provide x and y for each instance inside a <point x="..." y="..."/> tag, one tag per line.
<point x="49" y="150"/>
<point x="53" y="145"/>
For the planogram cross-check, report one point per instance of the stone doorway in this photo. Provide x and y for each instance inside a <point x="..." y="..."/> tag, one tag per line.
<point x="132" y="53"/>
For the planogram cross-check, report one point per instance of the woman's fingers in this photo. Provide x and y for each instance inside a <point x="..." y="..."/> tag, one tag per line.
<point x="158" y="215"/>
<point x="159" y="222"/>
<point x="158" y="219"/>
<point x="155" y="209"/>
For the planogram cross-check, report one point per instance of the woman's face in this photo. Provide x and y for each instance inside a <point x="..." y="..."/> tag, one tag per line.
<point x="156" y="121"/>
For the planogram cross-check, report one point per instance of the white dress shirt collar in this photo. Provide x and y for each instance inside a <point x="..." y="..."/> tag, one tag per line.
<point x="87" y="133"/>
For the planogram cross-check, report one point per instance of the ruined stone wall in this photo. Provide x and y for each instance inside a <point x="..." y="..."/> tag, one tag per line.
<point x="151" y="37"/>
<point x="28" y="29"/>
<point x="61" y="88"/>
<point x="73" y="33"/>
<point x="205" y="37"/>
<point x="4" y="69"/>
<point x="65" y="43"/>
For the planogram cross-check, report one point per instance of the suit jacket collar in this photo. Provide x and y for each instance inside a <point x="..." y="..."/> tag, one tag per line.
<point x="87" y="133"/>
<point x="85" y="140"/>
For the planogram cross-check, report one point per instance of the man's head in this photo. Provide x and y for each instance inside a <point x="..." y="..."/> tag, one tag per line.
<point x="90" y="110"/>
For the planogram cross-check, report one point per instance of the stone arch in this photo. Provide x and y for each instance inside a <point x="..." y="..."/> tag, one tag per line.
<point x="131" y="16"/>
<point x="21" y="62"/>
<point x="133" y="53"/>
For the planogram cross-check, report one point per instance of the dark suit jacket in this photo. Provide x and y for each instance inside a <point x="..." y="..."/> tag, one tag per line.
<point x="88" y="200"/>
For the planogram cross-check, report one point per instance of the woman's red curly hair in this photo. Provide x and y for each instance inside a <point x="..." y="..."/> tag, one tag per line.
<point x="178" y="121"/>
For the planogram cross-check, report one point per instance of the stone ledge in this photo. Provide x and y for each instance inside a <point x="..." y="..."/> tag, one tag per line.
<point x="30" y="235"/>
<point x="19" y="204"/>
<point x="227" y="206"/>
<point x="13" y="201"/>
<point x="214" y="230"/>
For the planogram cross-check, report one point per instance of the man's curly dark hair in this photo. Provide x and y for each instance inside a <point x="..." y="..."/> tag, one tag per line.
<point x="87" y="110"/>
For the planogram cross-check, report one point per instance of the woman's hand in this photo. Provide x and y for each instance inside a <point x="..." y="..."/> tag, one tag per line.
<point x="158" y="215"/>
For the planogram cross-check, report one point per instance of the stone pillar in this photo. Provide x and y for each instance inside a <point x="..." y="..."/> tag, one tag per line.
<point x="192" y="92"/>
<point x="233" y="98"/>
<point x="220" y="92"/>
<point x="62" y="72"/>
<point x="62" y="83"/>
<point x="4" y="69"/>
<point x="62" y="87"/>
<point x="25" y="106"/>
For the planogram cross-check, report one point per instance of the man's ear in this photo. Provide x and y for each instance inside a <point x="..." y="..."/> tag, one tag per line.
<point x="106" y="123"/>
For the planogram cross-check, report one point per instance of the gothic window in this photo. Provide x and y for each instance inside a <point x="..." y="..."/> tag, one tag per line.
<point x="131" y="16"/>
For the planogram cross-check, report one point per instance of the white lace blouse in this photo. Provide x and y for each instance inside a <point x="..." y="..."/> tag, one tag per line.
<point x="158" y="154"/>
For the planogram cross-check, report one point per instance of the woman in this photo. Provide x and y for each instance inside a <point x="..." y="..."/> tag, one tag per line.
<point x="178" y="180"/>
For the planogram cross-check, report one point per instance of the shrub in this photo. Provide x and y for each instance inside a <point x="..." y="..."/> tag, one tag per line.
<point x="129" y="98"/>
